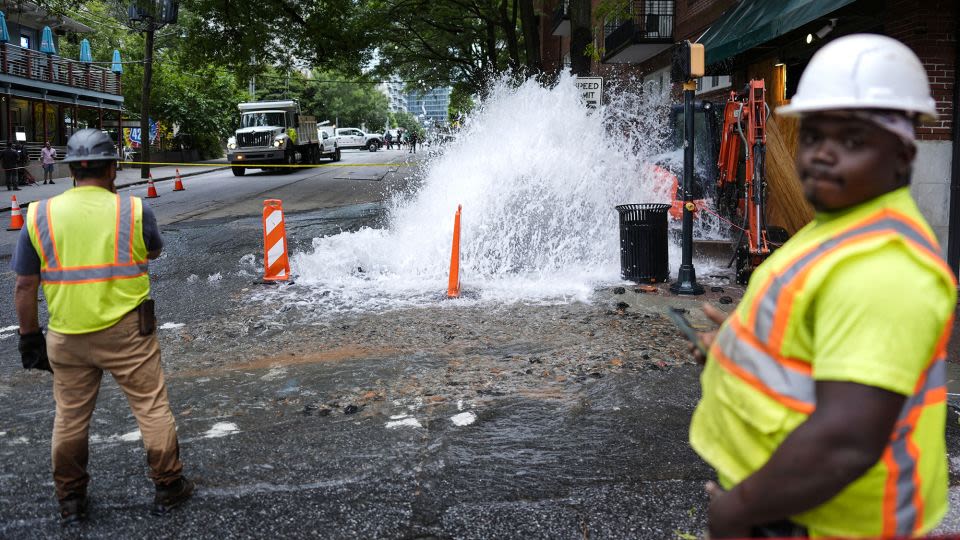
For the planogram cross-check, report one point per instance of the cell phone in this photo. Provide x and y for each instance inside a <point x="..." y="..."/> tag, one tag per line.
<point x="688" y="331"/>
<point x="147" y="316"/>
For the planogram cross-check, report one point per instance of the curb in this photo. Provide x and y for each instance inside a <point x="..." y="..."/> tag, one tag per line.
<point x="132" y="184"/>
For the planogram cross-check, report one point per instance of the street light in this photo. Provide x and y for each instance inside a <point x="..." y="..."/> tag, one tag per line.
<point x="147" y="16"/>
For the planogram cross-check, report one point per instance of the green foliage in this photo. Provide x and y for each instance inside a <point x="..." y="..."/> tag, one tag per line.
<point x="328" y="95"/>
<point x="408" y="122"/>
<point x="461" y="102"/>
<point x="440" y="42"/>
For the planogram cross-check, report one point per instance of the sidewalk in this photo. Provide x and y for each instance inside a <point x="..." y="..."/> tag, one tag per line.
<point x="127" y="177"/>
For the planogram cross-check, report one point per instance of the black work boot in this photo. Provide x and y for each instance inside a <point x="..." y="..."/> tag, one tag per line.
<point x="73" y="510"/>
<point x="172" y="495"/>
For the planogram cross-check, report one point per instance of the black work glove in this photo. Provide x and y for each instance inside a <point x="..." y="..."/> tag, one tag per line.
<point x="33" y="351"/>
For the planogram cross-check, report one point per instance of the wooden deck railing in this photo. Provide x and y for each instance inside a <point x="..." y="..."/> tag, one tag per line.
<point x="38" y="66"/>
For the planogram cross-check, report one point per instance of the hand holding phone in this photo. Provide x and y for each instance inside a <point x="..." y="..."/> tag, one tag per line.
<point x="688" y="331"/>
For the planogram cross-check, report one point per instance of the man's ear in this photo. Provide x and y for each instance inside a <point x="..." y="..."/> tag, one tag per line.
<point x="906" y="153"/>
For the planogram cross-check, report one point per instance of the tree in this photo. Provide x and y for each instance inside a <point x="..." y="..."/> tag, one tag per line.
<point x="461" y="102"/>
<point x="438" y="42"/>
<point x="581" y="37"/>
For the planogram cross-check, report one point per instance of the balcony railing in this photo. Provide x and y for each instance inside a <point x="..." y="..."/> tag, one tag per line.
<point x="650" y="23"/>
<point x="41" y="67"/>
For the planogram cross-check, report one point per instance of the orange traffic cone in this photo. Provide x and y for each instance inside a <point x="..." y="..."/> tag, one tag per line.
<point x="151" y="190"/>
<point x="178" y="185"/>
<point x="16" y="218"/>
<point x="276" y="266"/>
<point x="453" y="288"/>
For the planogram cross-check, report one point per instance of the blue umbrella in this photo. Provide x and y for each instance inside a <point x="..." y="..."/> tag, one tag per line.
<point x="85" y="55"/>
<point x="46" y="42"/>
<point x="4" y="34"/>
<point x="117" y="67"/>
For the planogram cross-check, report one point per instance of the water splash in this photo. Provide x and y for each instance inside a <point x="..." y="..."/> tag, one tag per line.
<point x="538" y="175"/>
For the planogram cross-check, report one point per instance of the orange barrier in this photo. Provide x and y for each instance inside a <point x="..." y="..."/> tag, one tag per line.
<point x="453" y="288"/>
<point x="178" y="185"/>
<point x="16" y="218"/>
<point x="151" y="189"/>
<point x="276" y="266"/>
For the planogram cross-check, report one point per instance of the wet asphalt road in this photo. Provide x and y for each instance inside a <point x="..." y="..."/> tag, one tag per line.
<point x="565" y="421"/>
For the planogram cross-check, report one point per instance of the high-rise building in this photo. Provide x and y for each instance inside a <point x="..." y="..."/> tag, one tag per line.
<point x="397" y="98"/>
<point x="430" y="107"/>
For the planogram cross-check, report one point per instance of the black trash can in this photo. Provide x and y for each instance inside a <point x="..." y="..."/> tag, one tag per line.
<point x="643" y="242"/>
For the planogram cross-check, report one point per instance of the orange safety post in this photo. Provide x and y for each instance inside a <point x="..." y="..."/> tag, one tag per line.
<point x="151" y="190"/>
<point x="16" y="218"/>
<point x="276" y="266"/>
<point x="178" y="185"/>
<point x="453" y="288"/>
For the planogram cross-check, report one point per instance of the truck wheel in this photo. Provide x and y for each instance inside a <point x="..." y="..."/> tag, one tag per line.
<point x="373" y="146"/>
<point x="239" y="171"/>
<point x="336" y="154"/>
<point x="290" y="158"/>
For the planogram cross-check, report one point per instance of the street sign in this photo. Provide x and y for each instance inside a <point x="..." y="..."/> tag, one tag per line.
<point x="591" y="88"/>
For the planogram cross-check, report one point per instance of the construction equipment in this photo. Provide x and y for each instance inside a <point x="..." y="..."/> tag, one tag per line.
<point x="741" y="193"/>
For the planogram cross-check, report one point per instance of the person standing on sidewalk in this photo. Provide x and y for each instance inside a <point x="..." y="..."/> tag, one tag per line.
<point x="824" y="393"/>
<point x="8" y="160"/>
<point x="48" y="157"/>
<point x="89" y="249"/>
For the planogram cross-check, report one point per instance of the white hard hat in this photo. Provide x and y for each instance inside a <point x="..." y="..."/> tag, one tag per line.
<point x="863" y="71"/>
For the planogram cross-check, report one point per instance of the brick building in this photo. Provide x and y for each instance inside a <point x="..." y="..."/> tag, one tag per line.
<point x="747" y="39"/>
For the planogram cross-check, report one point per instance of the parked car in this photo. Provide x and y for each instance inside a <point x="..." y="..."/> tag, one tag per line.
<point x="328" y="145"/>
<point x="355" y="138"/>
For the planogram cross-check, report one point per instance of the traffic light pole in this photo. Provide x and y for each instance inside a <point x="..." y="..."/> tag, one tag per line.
<point x="687" y="276"/>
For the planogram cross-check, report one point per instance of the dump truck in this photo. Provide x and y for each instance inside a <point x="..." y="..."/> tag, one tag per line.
<point x="273" y="133"/>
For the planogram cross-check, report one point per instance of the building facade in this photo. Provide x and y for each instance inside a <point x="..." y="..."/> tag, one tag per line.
<point x="430" y="107"/>
<point x="748" y="39"/>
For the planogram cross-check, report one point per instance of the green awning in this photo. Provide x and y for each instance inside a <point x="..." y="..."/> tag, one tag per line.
<point x="755" y="22"/>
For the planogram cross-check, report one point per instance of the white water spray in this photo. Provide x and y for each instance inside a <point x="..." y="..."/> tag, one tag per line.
<point x="538" y="175"/>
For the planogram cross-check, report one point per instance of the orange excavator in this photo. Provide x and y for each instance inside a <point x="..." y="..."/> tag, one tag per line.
<point x="737" y="186"/>
<point x="742" y="192"/>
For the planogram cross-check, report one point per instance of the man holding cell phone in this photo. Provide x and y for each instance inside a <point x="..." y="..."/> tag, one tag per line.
<point x="823" y="407"/>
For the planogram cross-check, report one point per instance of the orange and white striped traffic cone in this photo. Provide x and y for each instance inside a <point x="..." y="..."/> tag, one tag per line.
<point x="178" y="185"/>
<point x="16" y="217"/>
<point x="276" y="265"/>
<point x="151" y="189"/>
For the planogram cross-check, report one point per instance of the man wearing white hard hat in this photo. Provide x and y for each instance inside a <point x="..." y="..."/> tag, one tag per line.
<point x="823" y="408"/>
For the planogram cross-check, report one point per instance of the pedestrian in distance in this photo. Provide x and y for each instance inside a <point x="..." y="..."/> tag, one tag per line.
<point x="388" y="138"/>
<point x="413" y="142"/>
<point x="8" y="160"/>
<point x="23" y="159"/>
<point x="48" y="156"/>
<point x="89" y="249"/>
<point x="823" y="406"/>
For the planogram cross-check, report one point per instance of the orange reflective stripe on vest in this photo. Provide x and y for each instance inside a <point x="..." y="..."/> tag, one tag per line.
<point x="902" y="501"/>
<point x="123" y="266"/>
<point x="751" y="350"/>
<point x="769" y="322"/>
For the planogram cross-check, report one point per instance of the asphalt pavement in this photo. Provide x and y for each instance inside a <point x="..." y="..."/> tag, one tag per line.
<point x="445" y="421"/>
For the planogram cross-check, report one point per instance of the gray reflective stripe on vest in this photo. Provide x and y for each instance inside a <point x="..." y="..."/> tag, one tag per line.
<point x="768" y="304"/>
<point x="775" y="376"/>
<point x="906" y="513"/>
<point x="93" y="274"/>
<point x="124" y="249"/>
<point x="43" y="230"/>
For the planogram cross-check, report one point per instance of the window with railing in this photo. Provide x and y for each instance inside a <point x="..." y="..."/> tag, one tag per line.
<point x="652" y="19"/>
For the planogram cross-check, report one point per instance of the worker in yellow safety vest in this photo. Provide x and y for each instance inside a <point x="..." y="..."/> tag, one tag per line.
<point x="823" y="408"/>
<point x="89" y="248"/>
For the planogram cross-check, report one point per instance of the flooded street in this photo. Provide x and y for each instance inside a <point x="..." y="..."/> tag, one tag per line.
<point x="552" y="400"/>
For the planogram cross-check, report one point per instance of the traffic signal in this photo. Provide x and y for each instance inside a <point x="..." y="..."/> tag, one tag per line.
<point x="688" y="61"/>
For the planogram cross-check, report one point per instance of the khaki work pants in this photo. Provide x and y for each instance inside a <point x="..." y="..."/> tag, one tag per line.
<point x="78" y="362"/>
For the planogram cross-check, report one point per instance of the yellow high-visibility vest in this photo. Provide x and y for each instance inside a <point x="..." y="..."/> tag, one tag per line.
<point x="759" y="381"/>
<point x="93" y="259"/>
